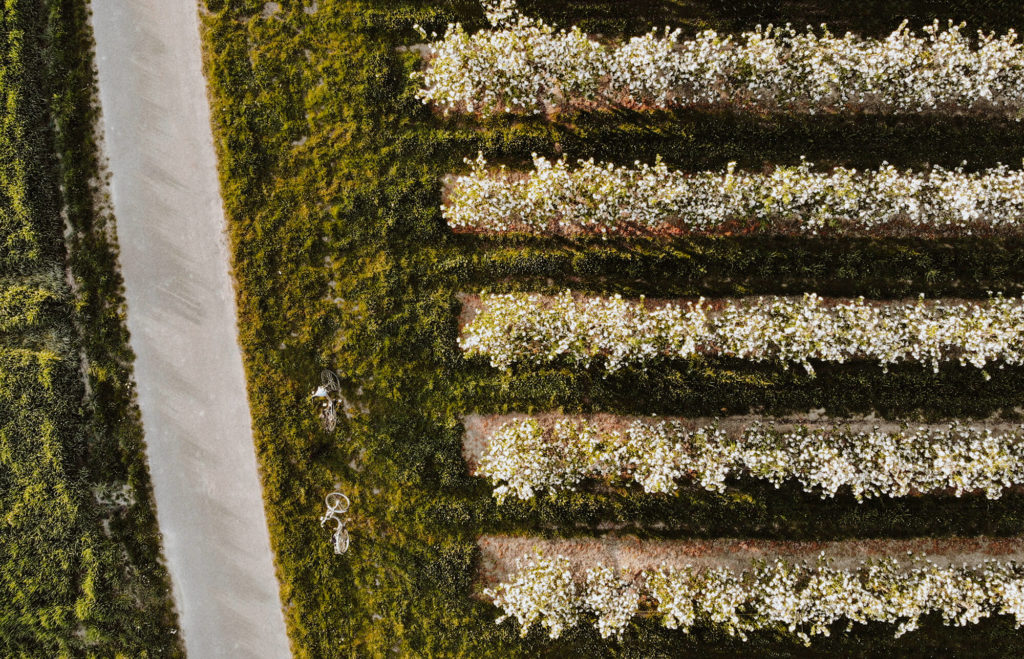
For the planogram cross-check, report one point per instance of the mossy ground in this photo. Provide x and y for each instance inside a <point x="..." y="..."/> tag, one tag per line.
<point x="331" y="173"/>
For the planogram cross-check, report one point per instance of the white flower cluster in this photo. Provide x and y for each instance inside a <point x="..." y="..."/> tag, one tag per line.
<point x="524" y="456"/>
<point x="520" y="328"/>
<point x="524" y="65"/>
<point x="602" y="198"/>
<point x="797" y="598"/>
<point x="611" y="600"/>
<point x="543" y="592"/>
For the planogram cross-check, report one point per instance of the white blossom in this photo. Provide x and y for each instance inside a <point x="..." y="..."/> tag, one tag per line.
<point x="542" y="592"/>
<point x="524" y="457"/>
<point x="528" y="329"/>
<point x="522" y="64"/>
<point x="612" y="600"/>
<point x="602" y="198"/>
<point x="796" y="598"/>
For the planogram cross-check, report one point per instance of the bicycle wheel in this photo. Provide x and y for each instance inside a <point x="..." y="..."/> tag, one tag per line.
<point x="341" y="540"/>
<point x="337" y="502"/>
<point x="330" y="380"/>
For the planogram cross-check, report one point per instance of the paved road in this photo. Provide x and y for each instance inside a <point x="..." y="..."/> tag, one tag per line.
<point x="181" y="314"/>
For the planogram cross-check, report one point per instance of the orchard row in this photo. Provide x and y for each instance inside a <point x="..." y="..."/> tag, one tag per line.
<point x="783" y="597"/>
<point x="524" y="65"/>
<point x="554" y="199"/>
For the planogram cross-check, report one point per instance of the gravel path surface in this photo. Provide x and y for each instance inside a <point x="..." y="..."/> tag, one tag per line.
<point x="181" y="314"/>
<point x="499" y="553"/>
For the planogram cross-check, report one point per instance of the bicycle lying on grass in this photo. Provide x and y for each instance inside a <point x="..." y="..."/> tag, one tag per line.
<point x="337" y="505"/>
<point x="329" y="390"/>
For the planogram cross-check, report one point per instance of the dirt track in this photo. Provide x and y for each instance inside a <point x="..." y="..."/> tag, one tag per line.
<point x="181" y="314"/>
<point x="499" y="553"/>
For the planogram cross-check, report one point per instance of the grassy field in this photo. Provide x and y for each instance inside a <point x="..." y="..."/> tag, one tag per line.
<point x="81" y="577"/>
<point x="331" y="173"/>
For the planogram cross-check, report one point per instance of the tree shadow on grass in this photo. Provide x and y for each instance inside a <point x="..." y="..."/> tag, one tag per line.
<point x="711" y="137"/>
<point x="719" y="266"/>
<point x="870" y="17"/>
<point x="721" y="387"/>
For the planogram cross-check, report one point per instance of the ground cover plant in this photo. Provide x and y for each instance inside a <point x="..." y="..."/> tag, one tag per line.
<point x="81" y="570"/>
<point x="332" y="171"/>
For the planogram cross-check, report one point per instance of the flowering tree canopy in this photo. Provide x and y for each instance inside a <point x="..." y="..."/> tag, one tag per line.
<point x="602" y="198"/>
<point x="525" y="456"/>
<point x="796" y="598"/>
<point x="522" y="64"/>
<point x="518" y="328"/>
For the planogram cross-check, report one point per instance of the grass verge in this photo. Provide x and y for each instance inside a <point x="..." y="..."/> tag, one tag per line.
<point x="80" y="549"/>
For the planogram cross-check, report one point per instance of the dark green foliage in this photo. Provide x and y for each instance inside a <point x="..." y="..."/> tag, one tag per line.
<point x="25" y="308"/>
<point x="873" y="17"/>
<point x="612" y="18"/>
<point x="42" y="499"/>
<point x="331" y="174"/>
<point x="694" y="140"/>
<point x="730" y="266"/>
<point x="77" y="578"/>
<point x="26" y="155"/>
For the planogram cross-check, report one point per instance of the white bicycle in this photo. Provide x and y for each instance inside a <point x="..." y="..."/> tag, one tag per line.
<point x="330" y="387"/>
<point x="337" y="505"/>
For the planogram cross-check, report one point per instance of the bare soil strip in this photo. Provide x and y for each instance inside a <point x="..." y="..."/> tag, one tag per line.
<point x="499" y="553"/>
<point x="479" y="428"/>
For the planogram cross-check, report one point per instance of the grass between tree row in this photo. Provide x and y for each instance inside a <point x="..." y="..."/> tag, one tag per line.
<point x="80" y="578"/>
<point x="331" y="174"/>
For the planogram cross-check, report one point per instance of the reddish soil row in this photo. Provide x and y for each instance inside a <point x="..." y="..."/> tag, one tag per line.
<point x="499" y="553"/>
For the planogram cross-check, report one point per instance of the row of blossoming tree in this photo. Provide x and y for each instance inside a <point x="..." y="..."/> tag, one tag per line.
<point x="528" y="329"/>
<point x="800" y="598"/>
<point x="556" y="199"/>
<point x="524" y="65"/>
<point x="528" y="455"/>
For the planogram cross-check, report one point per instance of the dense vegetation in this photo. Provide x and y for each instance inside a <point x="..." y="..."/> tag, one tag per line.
<point x="331" y="171"/>
<point x="79" y="576"/>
